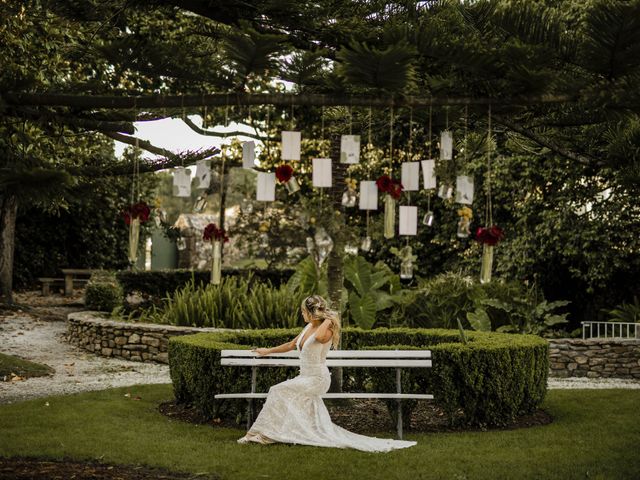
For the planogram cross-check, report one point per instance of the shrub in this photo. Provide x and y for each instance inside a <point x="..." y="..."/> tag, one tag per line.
<point x="234" y="303"/>
<point x="160" y="283"/>
<point x="103" y="292"/>
<point x="488" y="382"/>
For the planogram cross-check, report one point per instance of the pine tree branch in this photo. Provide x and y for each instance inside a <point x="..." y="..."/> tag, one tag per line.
<point x="211" y="133"/>
<point x="88" y="123"/>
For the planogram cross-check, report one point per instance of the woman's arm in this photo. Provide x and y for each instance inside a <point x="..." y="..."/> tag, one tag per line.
<point x="285" y="347"/>
<point x="325" y="332"/>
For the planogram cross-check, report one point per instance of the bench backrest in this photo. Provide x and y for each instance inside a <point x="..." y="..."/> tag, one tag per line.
<point x="335" y="358"/>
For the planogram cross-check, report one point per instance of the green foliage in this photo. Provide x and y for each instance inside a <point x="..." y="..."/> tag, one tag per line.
<point x="103" y="292"/>
<point x="490" y="381"/>
<point x="160" y="283"/>
<point x="235" y="303"/>
<point x="625" y="312"/>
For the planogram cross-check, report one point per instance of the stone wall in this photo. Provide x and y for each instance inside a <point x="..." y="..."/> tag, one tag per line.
<point x="141" y="342"/>
<point x="594" y="358"/>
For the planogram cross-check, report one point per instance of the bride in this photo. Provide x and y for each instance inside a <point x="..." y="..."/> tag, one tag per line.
<point x="294" y="411"/>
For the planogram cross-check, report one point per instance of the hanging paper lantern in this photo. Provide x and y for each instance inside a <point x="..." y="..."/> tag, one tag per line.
<point x="266" y="189"/>
<point x="350" y="149"/>
<point x="429" y="174"/>
<point x="291" y="145"/>
<point x="464" y="189"/>
<point x="203" y="173"/>
<point x="181" y="182"/>
<point x="248" y="154"/>
<point x="408" y="220"/>
<point x="322" y="172"/>
<point x="446" y="145"/>
<point x="368" y="195"/>
<point x="410" y="176"/>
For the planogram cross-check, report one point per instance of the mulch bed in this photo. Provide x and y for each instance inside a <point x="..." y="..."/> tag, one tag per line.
<point x="367" y="416"/>
<point x="23" y="468"/>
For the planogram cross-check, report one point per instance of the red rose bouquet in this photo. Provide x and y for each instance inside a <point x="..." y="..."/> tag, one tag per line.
<point x="139" y="210"/>
<point x="489" y="235"/>
<point x="387" y="185"/>
<point x="212" y="232"/>
<point x="284" y="173"/>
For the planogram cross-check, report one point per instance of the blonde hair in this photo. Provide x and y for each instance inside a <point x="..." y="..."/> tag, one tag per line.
<point x="318" y="308"/>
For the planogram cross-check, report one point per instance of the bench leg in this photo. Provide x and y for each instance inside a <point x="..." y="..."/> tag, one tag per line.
<point x="45" y="289"/>
<point x="249" y="414"/>
<point x="399" y="390"/>
<point x="68" y="285"/>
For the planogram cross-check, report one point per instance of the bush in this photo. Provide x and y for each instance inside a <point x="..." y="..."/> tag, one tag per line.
<point x="161" y="283"/>
<point x="103" y="292"/>
<point x="488" y="382"/>
<point x="235" y="303"/>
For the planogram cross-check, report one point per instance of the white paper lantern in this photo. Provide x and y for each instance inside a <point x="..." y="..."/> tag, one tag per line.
<point x="350" y="149"/>
<point x="266" y="190"/>
<point x="203" y="173"/>
<point x="410" y="178"/>
<point x="368" y="195"/>
<point x="429" y="174"/>
<point x="181" y="182"/>
<point x="322" y="172"/>
<point x="248" y="154"/>
<point x="446" y="145"/>
<point x="408" y="220"/>
<point x="464" y="189"/>
<point x="291" y="145"/>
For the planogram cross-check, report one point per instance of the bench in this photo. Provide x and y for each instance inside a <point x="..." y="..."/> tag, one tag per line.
<point x="69" y="278"/>
<point x="397" y="359"/>
<point x="47" y="283"/>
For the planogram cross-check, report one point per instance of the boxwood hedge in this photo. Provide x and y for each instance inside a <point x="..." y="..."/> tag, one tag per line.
<point x="490" y="381"/>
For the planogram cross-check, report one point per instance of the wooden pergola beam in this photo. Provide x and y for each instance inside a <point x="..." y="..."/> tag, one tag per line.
<point x="278" y="99"/>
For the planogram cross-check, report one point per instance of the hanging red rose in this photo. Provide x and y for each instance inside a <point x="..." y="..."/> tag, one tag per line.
<point x="387" y="185"/>
<point x="138" y="210"/>
<point x="284" y="173"/>
<point x="489" y="235"/>
<point x="212" y="232"/>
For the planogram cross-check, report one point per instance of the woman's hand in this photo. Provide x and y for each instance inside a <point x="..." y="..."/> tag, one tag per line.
<point x="261" y="351"/>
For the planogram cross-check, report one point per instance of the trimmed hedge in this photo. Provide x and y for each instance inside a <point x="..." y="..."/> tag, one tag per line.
<point x="103" y="292"/>
<point x="159" y="283"/>
<point x="488" y="382"/>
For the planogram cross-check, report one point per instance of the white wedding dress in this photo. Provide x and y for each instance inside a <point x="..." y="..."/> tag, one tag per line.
<point x="295" y="413"/>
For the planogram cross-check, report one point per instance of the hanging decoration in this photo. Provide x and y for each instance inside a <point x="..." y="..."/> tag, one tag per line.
<point x="322" y="172"/>
<point x="291" y="145"/>
<point x="134" y="216"/>
<point x="464" y="222"/>
<point x="203" y="173"/>
<point x="350" y="149"/>
<point x="350" y="196"/>
<point x="351" y="249"/>
<point x="393" y="190"/>
<point x="408" y="220"/>
<point x="446" y="145"/>
<point x="323" y="245"/>
<point x="284" y="174"/>
<point x="490" y="235"/>
<point x="365" y="245"/>
<point x="264" y="233"/>
<point x="248" y="154"/>
<point x="368" y="195"/>
<point x="200" y="204"/>
<point x="410" y="176"/>
<point x="266" y="190"/>
<point x="216" y="236"/>
<point x="445" y="192"/>
<point x="464" y="189"/>
<point x="181" y="182"/>
<point x="406" y="257"/>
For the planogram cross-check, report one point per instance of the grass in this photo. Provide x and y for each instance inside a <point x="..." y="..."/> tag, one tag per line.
<point x="595" y="435"/>
<point x="23" y="368"/>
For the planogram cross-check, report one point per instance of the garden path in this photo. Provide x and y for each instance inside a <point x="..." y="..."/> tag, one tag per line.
<point x="39" y="335"/>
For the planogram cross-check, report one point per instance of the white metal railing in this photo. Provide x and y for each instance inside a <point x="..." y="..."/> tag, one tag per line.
<point x="623" y="330"/>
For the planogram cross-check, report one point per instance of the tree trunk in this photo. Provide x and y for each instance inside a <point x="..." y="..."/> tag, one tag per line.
<point x="8" y="211"/>
<point x="335" y="276"/>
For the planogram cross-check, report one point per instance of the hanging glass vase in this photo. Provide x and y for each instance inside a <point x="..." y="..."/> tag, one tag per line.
<point x="292" y="185"/>
<point x="464" y="227"/>
<point x="216" y="262"/>
<point x="487" y="263"/>
<point x="349" y="198"/>
<point x="365" y="246"/>
<point x="389" y="216"/>
<point x="406" y="270"/>
<point x="134" y="238"/>
<point x="428" y="219"/>
<point x="351" y="249"/>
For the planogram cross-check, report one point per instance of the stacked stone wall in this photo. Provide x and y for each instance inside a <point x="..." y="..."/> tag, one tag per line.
<point x="594" y="358"/>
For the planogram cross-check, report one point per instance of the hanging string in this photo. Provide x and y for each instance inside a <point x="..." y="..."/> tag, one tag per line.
<point x="266" y="138"/>
<point x="446" y="121"/>
<point x="293" y="118"/>
<point x="430" y="125"/>
<point x="411" y="134"/>
<point x="322" y="141"/>
<point x="466" y="131"/>
<point x="489" y="206"/>
<point x="391" y="141"/>
<point x="135" y="189"/>
<point x="370" y="121"/>
<point x="350" y="117"/>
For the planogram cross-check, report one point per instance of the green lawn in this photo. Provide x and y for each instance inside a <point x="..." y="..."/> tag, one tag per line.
<point x="595" y="434"/>
<point x="23" y="368"/>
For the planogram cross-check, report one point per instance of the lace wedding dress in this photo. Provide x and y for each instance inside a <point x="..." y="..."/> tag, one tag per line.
<point x="295" y="413"/>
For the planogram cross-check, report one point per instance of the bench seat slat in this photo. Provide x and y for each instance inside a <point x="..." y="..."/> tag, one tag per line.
<point x="336" y="354"/>
<point x="294" y="362"/>
<point x="394" y="396"/>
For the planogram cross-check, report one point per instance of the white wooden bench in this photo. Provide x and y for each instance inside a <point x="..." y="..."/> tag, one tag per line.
<point x="397" y="359"/>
